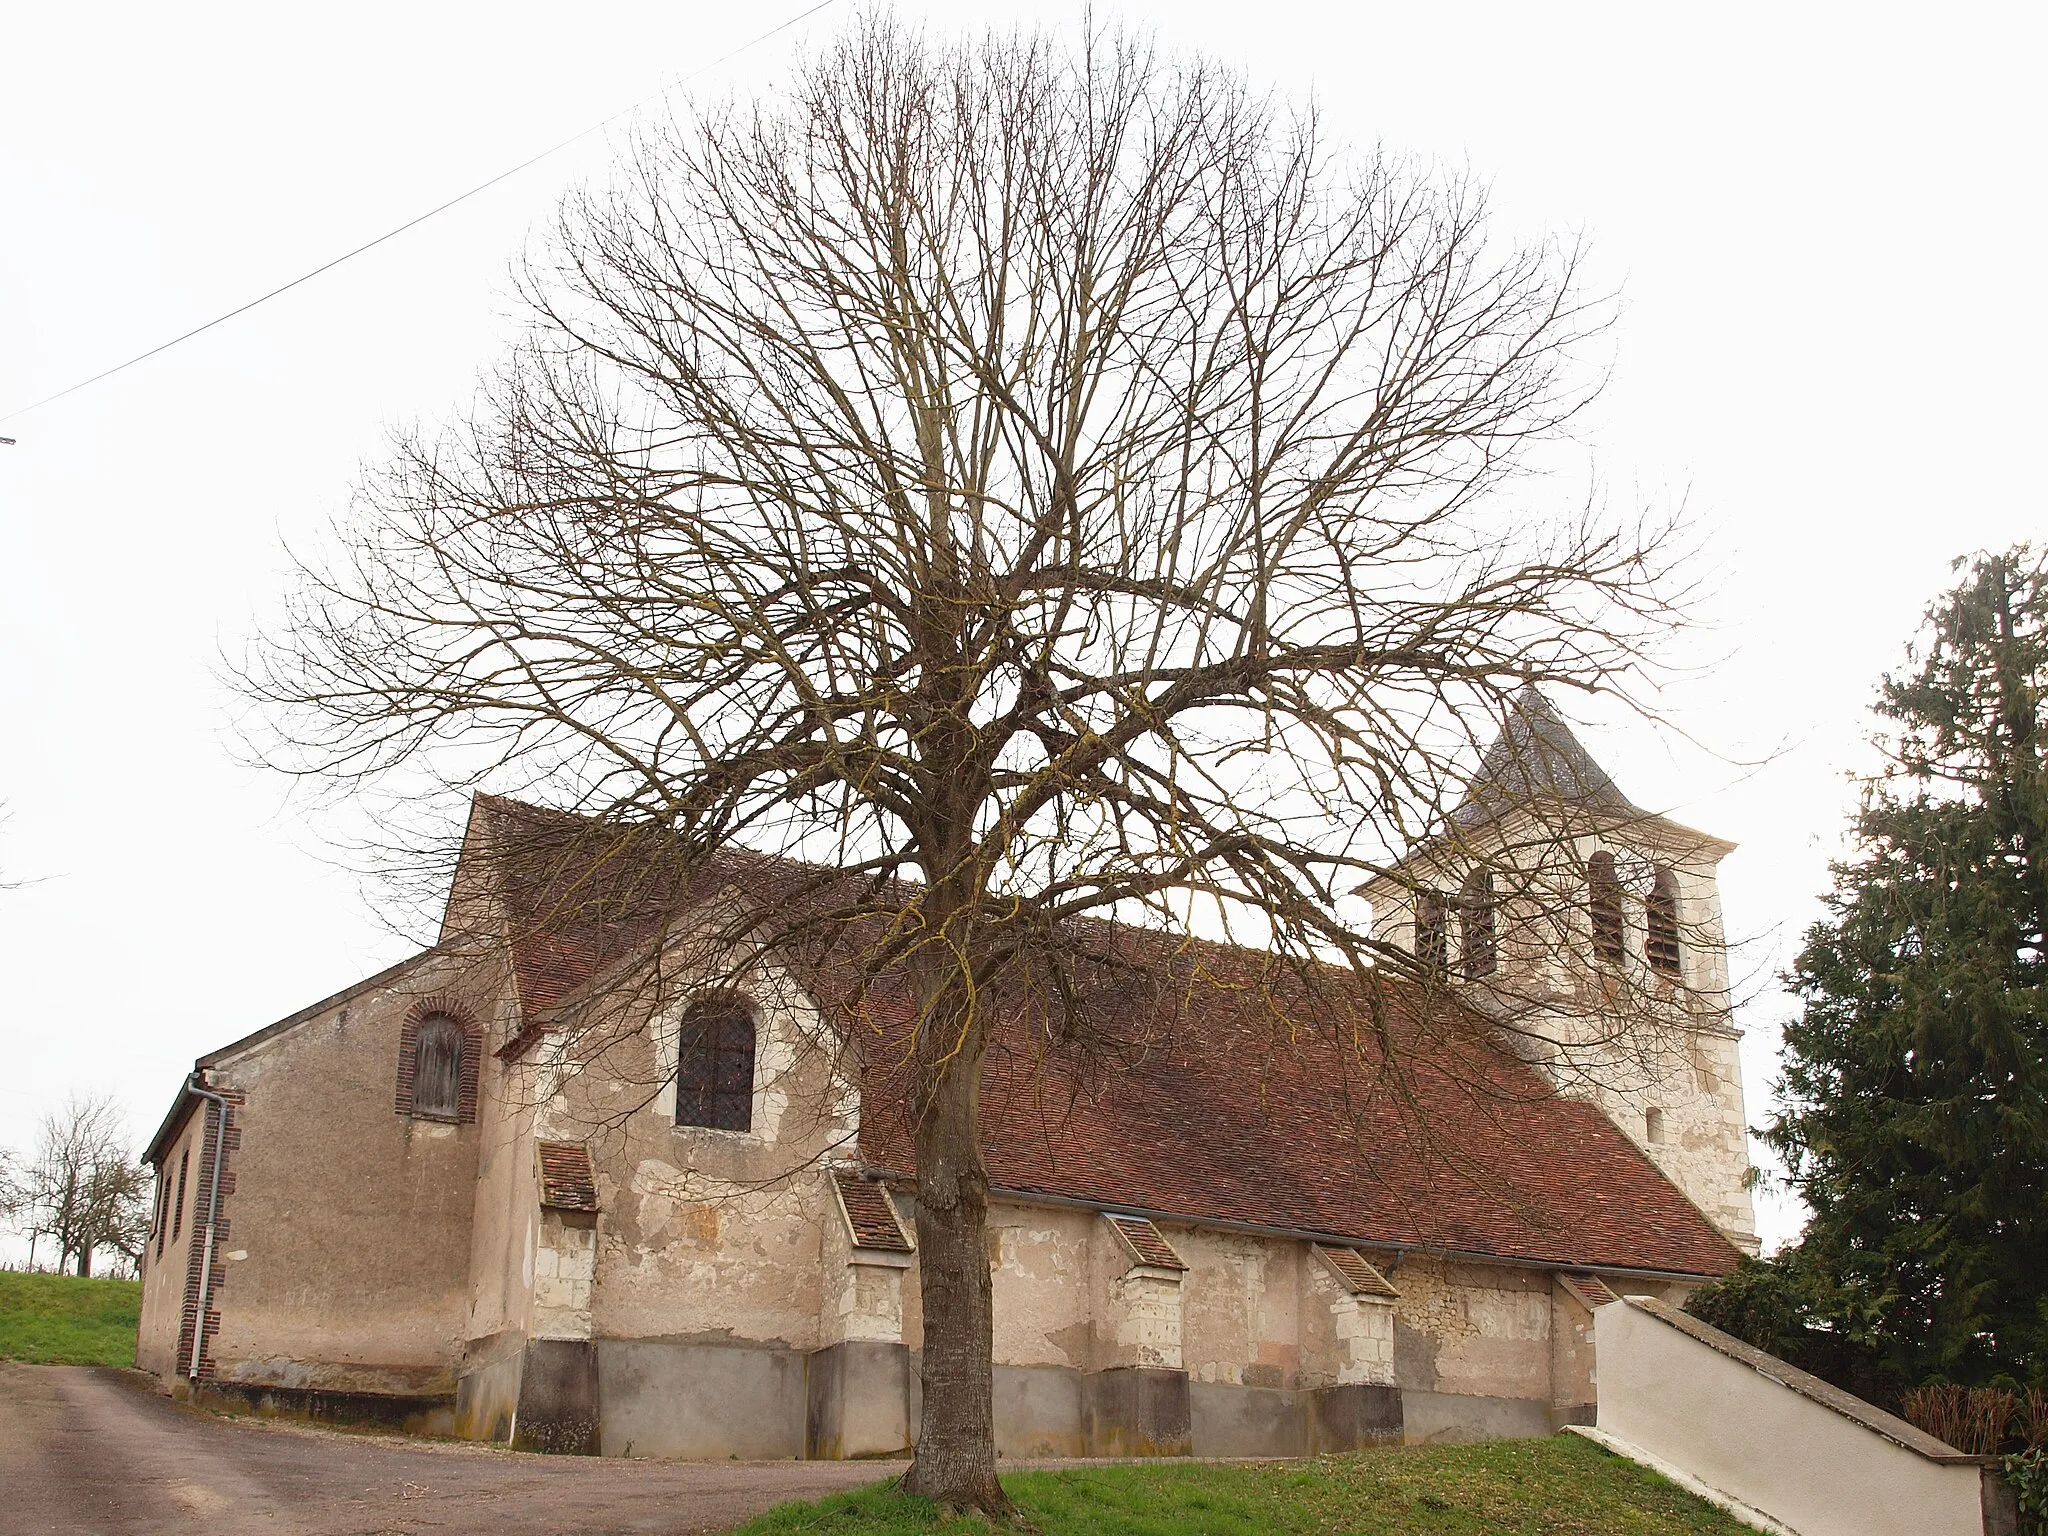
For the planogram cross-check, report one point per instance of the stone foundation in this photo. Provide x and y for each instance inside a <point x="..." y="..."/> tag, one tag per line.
<point x="559" y="1398"/>
<point x="704" y="1402"/>
<point x="858" y="1401"/>
<point x="1451" y="1418"/>
<point x="1136" y="1410"/>
<point x="432" y="1416"/>
<point x="1038" y="1411"/>
<point x="1350" y="1418"/>
<point x="487" y="1394"/>
<point x="861" y="1398"/>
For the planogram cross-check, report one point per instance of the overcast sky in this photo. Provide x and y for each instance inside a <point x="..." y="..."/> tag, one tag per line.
<point x="1825" y="222"/>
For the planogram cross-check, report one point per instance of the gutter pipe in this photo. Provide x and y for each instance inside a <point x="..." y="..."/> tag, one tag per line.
<point x="196" y="1085"/>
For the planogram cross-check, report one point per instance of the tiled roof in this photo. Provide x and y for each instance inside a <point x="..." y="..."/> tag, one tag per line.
<point x="567" y="1182"/>
<point x="1227" y="1119"/>
<point x="1356" y="1273"/>
<point x="1592" y="1292"/>
<point x="870" y="1214"/>
<point x="1231" y="1098"/>
<point x="1145" y="1241"/>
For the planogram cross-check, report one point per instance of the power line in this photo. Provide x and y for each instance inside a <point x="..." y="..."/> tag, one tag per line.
<point x="391" y="234"/>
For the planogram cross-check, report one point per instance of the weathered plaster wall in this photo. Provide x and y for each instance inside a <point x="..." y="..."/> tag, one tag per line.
<point x="1258" y="1312"/>
<point x="347" y="1267"/>
<point x="1574" y="1377"/>
<point x="1041" y="1269"/>
<point x="1472" y="1329"/>
<point x="1243" y="1301"/>
<point x="711" y="1236"/>
<point x="506" y="1223"/>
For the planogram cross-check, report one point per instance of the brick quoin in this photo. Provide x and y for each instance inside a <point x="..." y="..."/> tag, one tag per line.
<point x="195" y="1253"/>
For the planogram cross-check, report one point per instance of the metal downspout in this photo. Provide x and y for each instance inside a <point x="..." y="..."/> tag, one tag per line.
<point x="197" y="1085"/>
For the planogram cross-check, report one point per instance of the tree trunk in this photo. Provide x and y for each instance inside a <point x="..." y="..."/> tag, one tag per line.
<point x="85" y="1262"/>
<point x="955" y="1464"/>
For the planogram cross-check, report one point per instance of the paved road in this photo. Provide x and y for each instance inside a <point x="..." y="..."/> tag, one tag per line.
<point x="98" y="1453"/>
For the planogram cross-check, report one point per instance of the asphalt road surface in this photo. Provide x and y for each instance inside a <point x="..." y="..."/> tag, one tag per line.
<point x="99" y="1453"/>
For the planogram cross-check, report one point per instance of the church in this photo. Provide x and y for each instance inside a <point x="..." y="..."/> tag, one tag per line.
<point x="439" y="1200"/>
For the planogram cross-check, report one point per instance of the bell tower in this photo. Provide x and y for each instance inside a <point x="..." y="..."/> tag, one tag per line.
<point x="1589" y="931"/>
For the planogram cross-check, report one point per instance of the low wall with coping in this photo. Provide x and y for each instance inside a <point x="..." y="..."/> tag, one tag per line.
<point x="1816" y="1461"/>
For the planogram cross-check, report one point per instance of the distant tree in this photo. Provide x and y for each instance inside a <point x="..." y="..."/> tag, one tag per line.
<point x="13" y="1187"/>
<point x="1915" y="1123"/>
<point x="84" y="1188"/>
<point x="1784" y="1308"/>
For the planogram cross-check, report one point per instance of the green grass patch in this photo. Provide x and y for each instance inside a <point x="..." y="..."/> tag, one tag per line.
<point x="1562" y="1486"/>
<point x="63" y="1320"/>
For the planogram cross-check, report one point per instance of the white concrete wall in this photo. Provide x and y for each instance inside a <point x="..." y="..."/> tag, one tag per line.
<point x="1808" y="1466"/>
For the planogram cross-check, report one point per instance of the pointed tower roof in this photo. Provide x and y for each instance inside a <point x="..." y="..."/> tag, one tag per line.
<point x="1536" y="757"/>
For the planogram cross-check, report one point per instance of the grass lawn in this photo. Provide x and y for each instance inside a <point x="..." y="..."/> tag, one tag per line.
<point x="63" y="1320"/>
<point x="1562" y="1486"/>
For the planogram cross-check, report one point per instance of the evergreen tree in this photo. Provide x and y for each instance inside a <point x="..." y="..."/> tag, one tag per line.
<point x="1916" y="1079"/>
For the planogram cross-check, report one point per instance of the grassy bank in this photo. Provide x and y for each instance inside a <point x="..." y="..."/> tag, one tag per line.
<point x="62" y="1320"/>
<point x="1563" y="1486"/>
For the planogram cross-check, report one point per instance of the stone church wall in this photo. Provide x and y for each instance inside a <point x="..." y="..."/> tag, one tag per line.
<point x="344" y="1275"/>
<point x="1675" y="1088"/>
<point x="714" y="1305"/>
<point x="709" y="1292"/>
<point x="712" y="1237"/>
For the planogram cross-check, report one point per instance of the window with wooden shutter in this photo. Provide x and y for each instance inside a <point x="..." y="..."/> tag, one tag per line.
<point x="1432" y="943"/>
<point x="1661" y="942"/>
<point x="437" y="1067"/>
<point x="1603" y="900"/>
<point x="715" y="1066"/>
<point x="178" y="1210"/>
<point x="1479" y="950"/>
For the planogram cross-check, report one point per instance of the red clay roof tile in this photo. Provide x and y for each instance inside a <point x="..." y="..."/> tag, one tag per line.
<point x="1253" y="1108"/>
<point x="567" y="1182"/>
<point x="870" y="1214"/>
<point x="1592" y="1292"/>
<point x="1145" y="1241"/>
<point x="1355" y="1272"/>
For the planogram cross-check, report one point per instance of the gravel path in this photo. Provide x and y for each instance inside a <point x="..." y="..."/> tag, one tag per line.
<point x="100" y="1453"/>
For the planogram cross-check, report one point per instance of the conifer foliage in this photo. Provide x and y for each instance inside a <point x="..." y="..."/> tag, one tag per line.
<point x="1916" y="1078"/>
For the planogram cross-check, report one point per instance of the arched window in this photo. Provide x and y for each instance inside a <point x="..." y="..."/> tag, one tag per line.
<point x="1432" y="943"/>
<point x="437" y="1067"/>
<point x="1661" y="942"/>
<point x="715" y="1066"/>
<point x="1653" y="1125"/>
<point x="1603" y="901"/>
<point x="1478" y="951"/>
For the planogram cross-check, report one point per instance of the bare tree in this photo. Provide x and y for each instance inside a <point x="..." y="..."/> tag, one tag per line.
<point x="1044" y="483"/>
<point x="13" y="1188"/>
<point x="84" y="1187"/>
